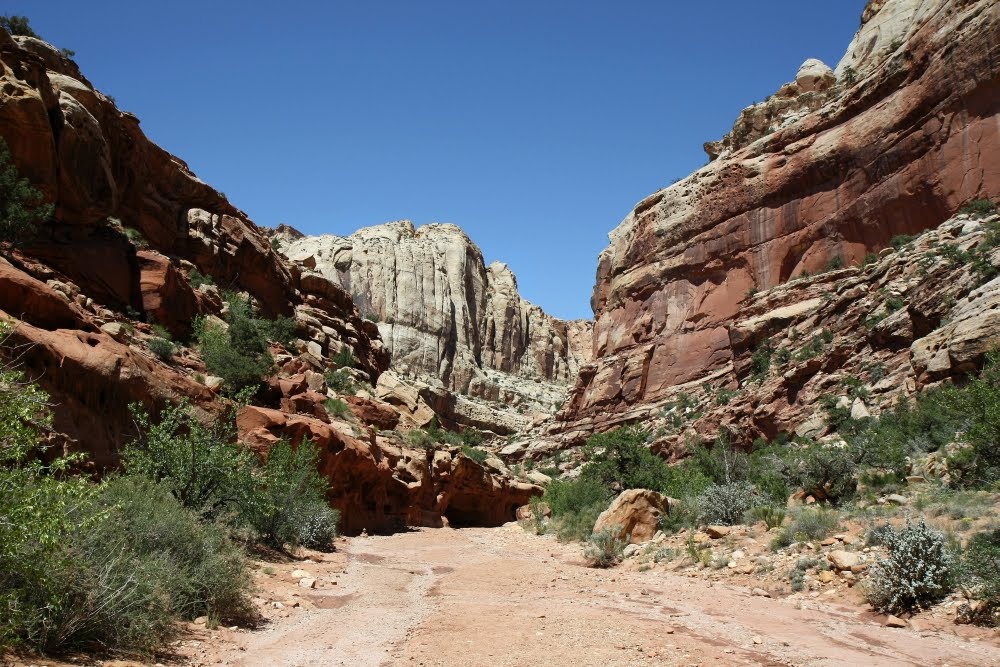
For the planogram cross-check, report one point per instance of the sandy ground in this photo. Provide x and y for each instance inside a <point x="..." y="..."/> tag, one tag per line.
<point x="503" y="597"/>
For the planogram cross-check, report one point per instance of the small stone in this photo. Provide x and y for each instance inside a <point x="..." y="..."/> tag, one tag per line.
<point x="895" y="622"/>
<point x="826" y="576"/>
<point x="307" y="582"/>
<point x="299" y="574"/>
<point x="843" y="560"/>
<point x="897" y="499"/>
<point x="716" y="532"/>
<point x="757" y="639"/>
<point x="201" y="620"/>
<point x="760" y="592"/>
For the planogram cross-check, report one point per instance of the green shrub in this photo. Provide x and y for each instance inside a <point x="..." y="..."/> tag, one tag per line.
<point x="979" y="575"/>
<point x="575" y="506"/>
<point x="814" y="524"/>
<point x="161" y="348"/>
<point x="21" y="205"/>
<point x="726" y="504"/>
<point x="977" y="465"/>
<point x="198" y="463"/>
<point x="135" y="237"/>
<point x="771" y="515"/>
<point x="979" y="208"/>
<point x="605" y="548"/>
<point x="239" y="353"/>
<point x="870" y="258"/>
<point x="760" y="361"/>
<point x="620" y="460"/>
<point x="344" y="357"/>
<point x="338" y="408"/>
<point x="835" y="263"/>
<point x="901" y="240"/>
<point x="783" y="538"/>
<point x="290" y="495"/>
<point x="476" y="454"/>
<point x="420" y="439"/>
<point x="318" y="528"/>
<point x="341" y="381"/>
<point x="197" y="279"/>
<point x="917" y="572"/>
<point x="825" y="472"/>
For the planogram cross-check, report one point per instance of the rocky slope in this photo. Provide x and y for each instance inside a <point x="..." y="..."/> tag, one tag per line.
<point x="447" y="317"/>
<point x="133" y="228"/>
<point x="829" y="169"/>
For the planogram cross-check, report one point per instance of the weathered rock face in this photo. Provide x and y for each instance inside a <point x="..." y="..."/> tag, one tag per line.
<point x="635" y="513"/>
<point x="908" y="134"/>
<point x="380" y="486"/>
<point x="83" y="289"/>
<point x="445" y="315"/>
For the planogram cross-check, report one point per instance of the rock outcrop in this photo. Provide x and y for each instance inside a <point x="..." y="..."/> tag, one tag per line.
<point x="635" y="514"/>
<point x="448" y="317"/>
<point x="816" y="177"/>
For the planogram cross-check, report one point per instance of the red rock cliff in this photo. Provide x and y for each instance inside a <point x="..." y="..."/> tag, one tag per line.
<point x="833" y="165"/>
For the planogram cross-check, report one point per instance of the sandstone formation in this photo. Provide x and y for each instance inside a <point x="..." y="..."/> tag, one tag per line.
<point x="137" y="240"/>
<point x="635" y="513"/>
<point x="446" y="317"/>
<point x="813" y="178"/>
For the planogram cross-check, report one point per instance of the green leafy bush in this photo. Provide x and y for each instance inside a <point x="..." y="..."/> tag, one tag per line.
<point x="977" y="465"/>
<point x="239" y="352"/>
<point x="575" y="506"/>
<point x="344" y="357"/>
<point x="341" y="381"/>
<point x="620" y="460"/>
<point x="917" y="572"/>
<point x="814" y="524"/>
<point x="290" y="494"/>
<point x="901" y="240"/>
<point x="979" y="575"/>
<point x="21" y="205"/>
<point x="196" y="278"/>
<point x="605" y="548"/>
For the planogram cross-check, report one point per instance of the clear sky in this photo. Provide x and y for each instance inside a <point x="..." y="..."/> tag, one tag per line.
<point x="534" y="125"/>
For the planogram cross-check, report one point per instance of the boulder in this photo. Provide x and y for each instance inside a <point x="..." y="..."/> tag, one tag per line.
<point x="637" y="512"/>
<point x="814" y="75"/>
<point x="843" y="560"/>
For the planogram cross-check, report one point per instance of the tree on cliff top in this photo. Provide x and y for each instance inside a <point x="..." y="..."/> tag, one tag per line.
<point x="18" y="25"/>
<point x="21" y="205"/>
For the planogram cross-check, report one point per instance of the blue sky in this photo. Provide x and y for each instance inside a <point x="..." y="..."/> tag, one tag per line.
<point x="536" y="126"/>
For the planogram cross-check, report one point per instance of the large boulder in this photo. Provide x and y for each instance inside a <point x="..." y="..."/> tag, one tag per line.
<point x="815" y="75"/>
<point x="637" y="512"/>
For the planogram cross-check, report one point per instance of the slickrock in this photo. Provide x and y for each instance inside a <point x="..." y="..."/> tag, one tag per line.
<point x="807" y="180"/>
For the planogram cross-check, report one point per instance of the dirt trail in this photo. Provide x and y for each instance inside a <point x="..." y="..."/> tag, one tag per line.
<point x="501" y="597"/>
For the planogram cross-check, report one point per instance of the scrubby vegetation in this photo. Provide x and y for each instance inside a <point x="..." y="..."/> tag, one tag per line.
<point x="238" y="352"/>
<point x="917" y="572"/>
<point x="605" y="547"/>
<point x="115" y="564"/>
<point x="21" y="205"/>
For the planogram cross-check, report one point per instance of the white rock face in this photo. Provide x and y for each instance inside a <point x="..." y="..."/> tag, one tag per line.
<point x="886" y="24"/>
<point x="444" y="314"/>
<point x="815" y="75"/>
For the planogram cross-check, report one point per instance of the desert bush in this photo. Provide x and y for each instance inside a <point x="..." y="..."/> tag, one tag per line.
<point x="979" y="208"/>
<point x="620" y="460"/>
<point x="161" y="348"/>
<point x="420" y="439"/>
<point x="476" y="454"/>
<point x="605" y="548"/>
<point x="879" y="535"/>
<point x="826" y="472"/>
<point x="782" y="538"/>
<point x="21" y="205"/>
<point x="901" y="240"/>
<point x="814" y="524"/>
<point x="289" y="500"/>
<point x="760" y="361"/>
<point x="979" y="575"/>
<point x="318" y="528"/>
<point x="977" y="465"/>
<point x="197" y="463"/>
<point x="917" y="572"/>
<point x="237" y="353"/>
<point x="338" y="408"/>
<point x="726" y="504"/>
<point x="344" y="357"/>
<point x="575" y="506"/>
<point x="196" y="279"/>
<point x="135" y="237"/>
<point x="771" y="515"/>
<point x="340" y="381"/>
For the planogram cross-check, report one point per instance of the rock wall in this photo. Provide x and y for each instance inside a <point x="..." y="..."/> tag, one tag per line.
<point x="87" y="294"/>
<point x="444" y="314"/>
<point x="907" y="133"/>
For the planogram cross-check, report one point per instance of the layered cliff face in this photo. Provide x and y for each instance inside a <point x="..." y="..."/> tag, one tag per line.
<point x="445" y="315"/>
<point x="138" y="241"/>
<point x="827" y="170"/>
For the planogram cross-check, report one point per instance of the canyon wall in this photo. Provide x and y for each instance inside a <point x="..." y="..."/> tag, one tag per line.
<point x="898" y="137"/>
<point x="444" y="314"/>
